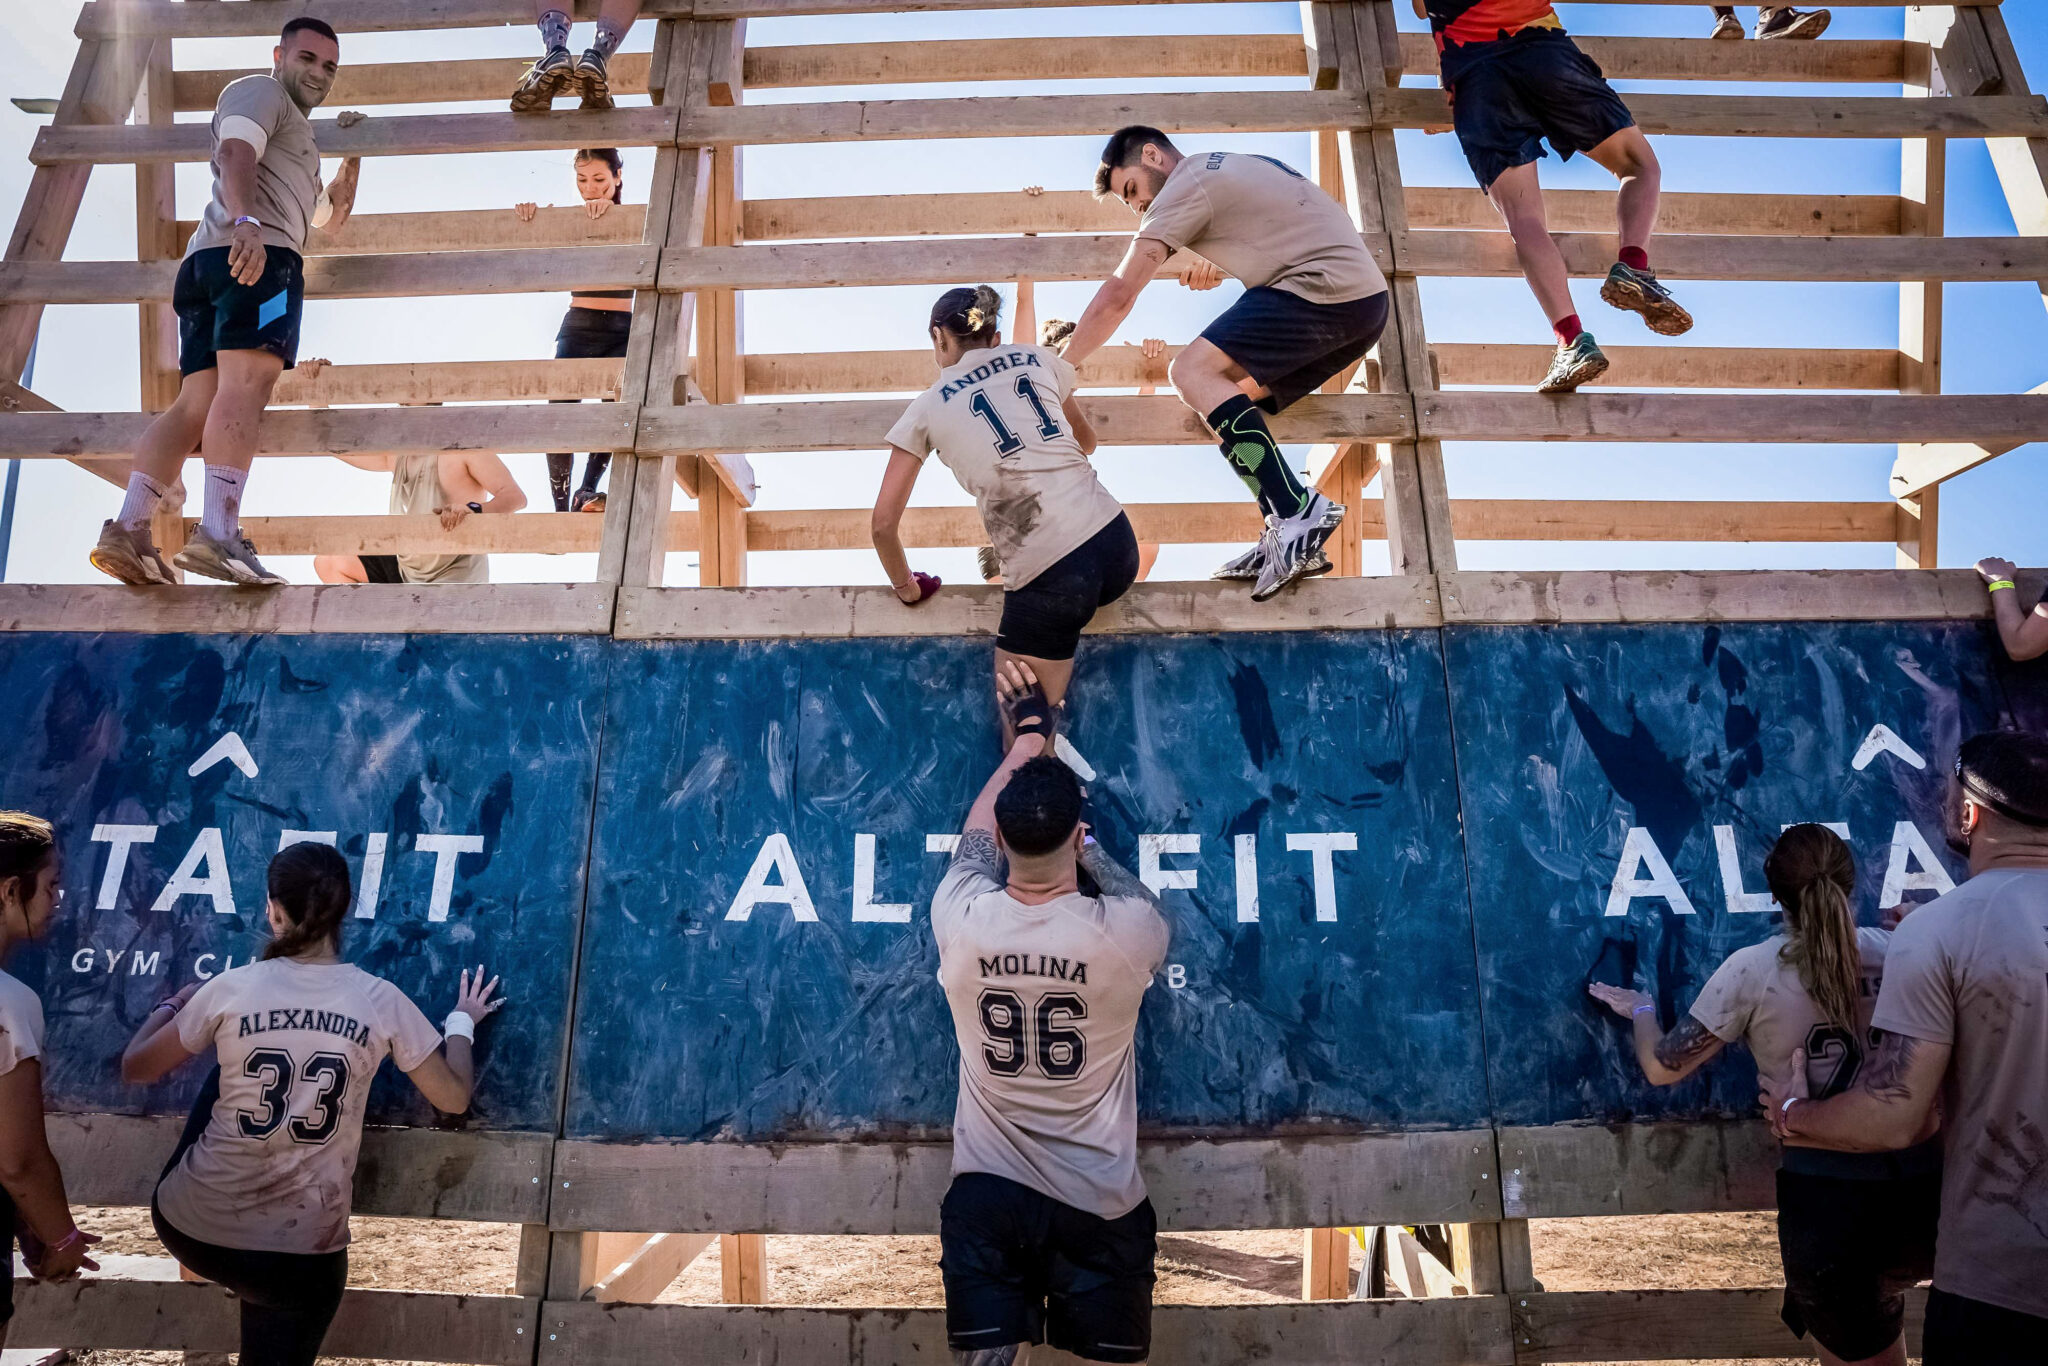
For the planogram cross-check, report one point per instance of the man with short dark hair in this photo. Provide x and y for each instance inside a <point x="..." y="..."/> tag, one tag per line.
<point x="1963" y="1014"/>
<point x="1314" y="303"/>
<point x="1045" y="1234"/>
<point x="1515" y="78"/>
<point x="238" y="298"/>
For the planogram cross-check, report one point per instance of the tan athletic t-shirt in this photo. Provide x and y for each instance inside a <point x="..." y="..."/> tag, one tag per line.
<point x="256" y="110"/>
<point x="298" y="1044"/>
<point x="1045" y="1004"/>
<point x="21" y="1023"/>
<point x="1266" y="224"/>
<point x="1756" y="999"/>
<point x="995" y="420"/>
<point x="416" y="488"/>
<point x="1970" y="969"/>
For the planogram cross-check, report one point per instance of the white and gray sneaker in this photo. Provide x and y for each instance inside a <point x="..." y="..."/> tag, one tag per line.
<point x="1245" y="568"/>
<point x="234" y="561"/>
<point x="1293" y="546"/>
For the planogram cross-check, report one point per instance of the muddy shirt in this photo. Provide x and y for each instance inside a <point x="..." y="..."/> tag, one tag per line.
<point x="21" y="1025"/>
<point x="1264" y="223"/>
<point x="995" y="421"/>
<point x="299" y="1044"/>
<point x="256" y="110"/>
<point x="1045" y="1003"/>
<point x="1970" y="970"/>
<point x="1756" y="999"/>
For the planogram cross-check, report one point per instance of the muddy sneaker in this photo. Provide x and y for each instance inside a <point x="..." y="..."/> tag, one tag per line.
<point x="1727" y="27"/>
<point x="1790" y="23"/>
<point x="587" y="500"/>
<point x="130" y="556"/>
<point x="1293" y="545"/>
<point x="1574" y="365"/>
<point x="235" y="561"/>
<point x="1638" y="291"/>
<point x="1245" y="568"/>
<point x="545" y="79"/>
<point x="595" y="79"/>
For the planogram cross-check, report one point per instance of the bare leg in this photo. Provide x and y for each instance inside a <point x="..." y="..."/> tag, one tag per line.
<point x="990" y="1356"/>
<point x="1894" y="1355"/>
<point x="1053" y="676"/>
<point x="1517" y="196"/>
<point x="340" y="569"/>
<point x="234" y="420"/>
<point x="174" y="436"/>
<point x="1629" y="155"/>
<point x="1205" y="378"/>
<point x="1148" y="555"/>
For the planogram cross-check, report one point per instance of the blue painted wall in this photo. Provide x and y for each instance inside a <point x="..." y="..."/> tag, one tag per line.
<point x="491" y="737"/>
<point x="696" y="1025"/>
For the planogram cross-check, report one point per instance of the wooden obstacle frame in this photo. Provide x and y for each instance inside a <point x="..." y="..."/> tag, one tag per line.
<point x="673" y="413"/>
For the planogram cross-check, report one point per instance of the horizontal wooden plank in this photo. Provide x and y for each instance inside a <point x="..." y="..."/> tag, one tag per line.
<point x="450" y="381"/>
<point x="202" y="609"/>
<point x="414" y="1173"/>
<point x="1919" y="467"/>
<point x="1880" y="60"/>
<point x="868" y="372"/>
<point x="1678" y="367"/>
<point x="1518" y="598"/>
<point x="1777" y="116"/>
<point x="985" y="259"/>
<point x="529" y="533"/>
<point x="1571" y="1171"/>
<point x="1142" y="56"/>
<point x="1663" y="1325"/>
<point x="1327" y="604"/>
<point x="1463" y="1331"/>
<point x="475" y="230"/>
<point x="740" y="9"/>
<point x="1465" y="208"/>
<point x="1018" y="116"/>
<point x="856" y="424"/>
<point x="172" y="19"/>
<point x="1884" y="260"/>
<point x="391" y="136"/>
<point x="103" y="1312"/>
<point x="403" y="275"/>
<point x="1538" y="519"/>
<point x="500" y="429"/>
<point x="1775" y="418"/>
<point x="1429" y="1177"/>
<point x="367" y="84"/>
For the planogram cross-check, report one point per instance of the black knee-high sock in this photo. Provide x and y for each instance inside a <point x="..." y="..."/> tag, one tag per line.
<point x="593" y="469"/>
<point x="1252" y="452"/>
<point x="559" y="467"/>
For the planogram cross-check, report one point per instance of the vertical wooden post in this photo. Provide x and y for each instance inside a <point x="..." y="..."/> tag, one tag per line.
<point x="156" y="239"/>
<point x="1326" y="1264"/>
<point x="2021" y="163"/>
<point x="743" y="1267"/>
<point x="721" y="513"/>
<point x="530" y="1275"/>
<point x="1922" y="193"/>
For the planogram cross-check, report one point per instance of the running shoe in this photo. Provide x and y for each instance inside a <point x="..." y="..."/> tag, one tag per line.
<point x="1727" y="27"/>
<point x="1790" y="23"/>
<point x="1574" y="365"/>
<point x="1292" y="545"/>
<point x="1638" y="291"/>
<point x="234" y="561"/>
<point x="595" y="79"/>
<point x="587" y="500"/>
<point x="130" y="556"/>
<point x="545" y="79"/>
<point x="1245" y="568"/>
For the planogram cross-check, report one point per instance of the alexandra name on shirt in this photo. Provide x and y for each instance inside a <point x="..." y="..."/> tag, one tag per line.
<point x="318" y="1021"/>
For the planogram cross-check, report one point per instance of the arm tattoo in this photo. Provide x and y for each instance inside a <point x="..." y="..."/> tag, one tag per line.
<point x="1884" y="1076"/>
<point x="1685" y="1044"/>
<point x="978" y="847"/>
<point x="1112" y="877"/>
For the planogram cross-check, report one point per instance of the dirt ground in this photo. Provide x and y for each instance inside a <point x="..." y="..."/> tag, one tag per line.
<point x="1698" y="1251"/>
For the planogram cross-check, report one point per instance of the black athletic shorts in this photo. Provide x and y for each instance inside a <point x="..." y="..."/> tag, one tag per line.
<point x="216" y="314"/>
<point x="381" y="569"/>
<point x="1966" y="1332"/>
<point x="1852" y="1249"/>
<point x="1532" y="86"/>
<point x="1044" y="618"/>
<point x="1291" y="345"/>
<point x="590" y="333"/>
<point x="1022" y="1267"/>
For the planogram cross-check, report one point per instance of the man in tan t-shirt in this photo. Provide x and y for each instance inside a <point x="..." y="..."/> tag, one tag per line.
<point x="1314" y="304"/>
<point x="1963" y="1014"/>
<point x="453" y="486"/>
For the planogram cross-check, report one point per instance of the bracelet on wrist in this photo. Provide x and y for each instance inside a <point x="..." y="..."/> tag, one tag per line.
<point x="458" y="1025"/>
<point x="1997" y="584"/>
<point x="250" y="219"/>
<point x="76" y="1236"/>
<point x="170" y="1003"/>
<point x="1640" y="1009"/>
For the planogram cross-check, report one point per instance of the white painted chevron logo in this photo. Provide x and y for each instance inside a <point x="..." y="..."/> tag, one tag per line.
<point x="1881" y="740"/>
<point x="231" y="748"/>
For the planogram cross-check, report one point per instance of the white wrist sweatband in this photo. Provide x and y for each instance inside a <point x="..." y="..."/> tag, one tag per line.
<point x="458" y="1025"/>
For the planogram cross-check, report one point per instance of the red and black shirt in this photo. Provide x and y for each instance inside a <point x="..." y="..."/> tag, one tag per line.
<point x="1465" y="30"/>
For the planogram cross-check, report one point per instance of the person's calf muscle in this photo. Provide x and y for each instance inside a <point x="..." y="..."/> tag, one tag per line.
<point x="989" y="1356"/>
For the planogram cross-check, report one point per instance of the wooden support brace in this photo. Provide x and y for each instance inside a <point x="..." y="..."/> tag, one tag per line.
<point x="1326" y="1263"/>
<point x="743" y="1267"/>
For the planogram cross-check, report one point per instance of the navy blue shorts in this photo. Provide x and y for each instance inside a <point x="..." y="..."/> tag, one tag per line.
<point x="217" y="314"/>
<point x="1044" y="618"/>
<point x="1852" y="1249"/>
<point x="1019" y="1266"/>
<point x="1532" y="86"/>
<point x="1290" y="345"/>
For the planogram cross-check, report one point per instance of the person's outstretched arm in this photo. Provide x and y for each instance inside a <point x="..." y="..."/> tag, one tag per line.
<point x="1113" y="302"/>
<point x="1666" y="1059"/>
<point x="2024" y="633"/>
<point x="1891" y="1106"/>
<point x="898" y="480"/>
<point x="1112" y="877"/>
<point x="447" y="1077"/>
<point x="157" y="1050"/>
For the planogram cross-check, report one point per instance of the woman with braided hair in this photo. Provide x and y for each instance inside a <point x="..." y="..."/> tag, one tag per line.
<point x="1855" y="1230"/>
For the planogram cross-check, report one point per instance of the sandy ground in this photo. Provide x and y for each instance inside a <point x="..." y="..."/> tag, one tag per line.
<point x="1699" y="1251"/>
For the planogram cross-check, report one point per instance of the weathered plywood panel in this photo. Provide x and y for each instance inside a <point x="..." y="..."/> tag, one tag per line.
<point x="705" y="1017"/>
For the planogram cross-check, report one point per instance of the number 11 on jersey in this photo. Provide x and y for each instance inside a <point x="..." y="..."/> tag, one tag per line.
<point x="1007" y="441"/>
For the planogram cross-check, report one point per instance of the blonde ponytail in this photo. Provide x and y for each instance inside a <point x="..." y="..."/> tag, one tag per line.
<point x="1812" y="874"/>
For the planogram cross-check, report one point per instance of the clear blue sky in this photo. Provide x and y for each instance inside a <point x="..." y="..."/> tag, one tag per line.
<point x="1997" y="335"/>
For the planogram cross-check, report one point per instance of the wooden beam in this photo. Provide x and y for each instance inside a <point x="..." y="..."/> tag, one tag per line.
<point x="1679" y="367"/>
<point x="651" y="1268"/>
<point x="1923" y="197"/>
<point x="1869" y="60"/>
<point x="174" y="19"/>
<point x="1748" y="215"/>
<point x="1661" y="1325"/>
<point x="367" y="431"/>
<point x="867" y="372"/>
<point x="369" y="84"/>
<point x="412" y="275"/>
<point x="1925" y="465"/>
<point x="475" y="230"/>
<point x="743" y="1267"/>
<point x="1663" y="595"/>
<point x="342" y="609"/>
<point x="527" y="533"/>
<point x="454" y="381"/>
<point x="1700" y="257"/>
<point x="1143" y="56"/>
<point x="1885" y="419"/>
<point x="2021" y="164"/>
<point x="1326" y="1264"/>
<point x="395" y="136"/>
<point x="1778" y="116"/>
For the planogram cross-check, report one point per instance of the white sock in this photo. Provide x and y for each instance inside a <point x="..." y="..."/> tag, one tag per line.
<point x="222" y="519"/>
<point x="144" y="493"/>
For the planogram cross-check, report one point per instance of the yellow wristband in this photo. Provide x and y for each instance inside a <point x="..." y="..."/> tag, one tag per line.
<point x="1997" y="584"/>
